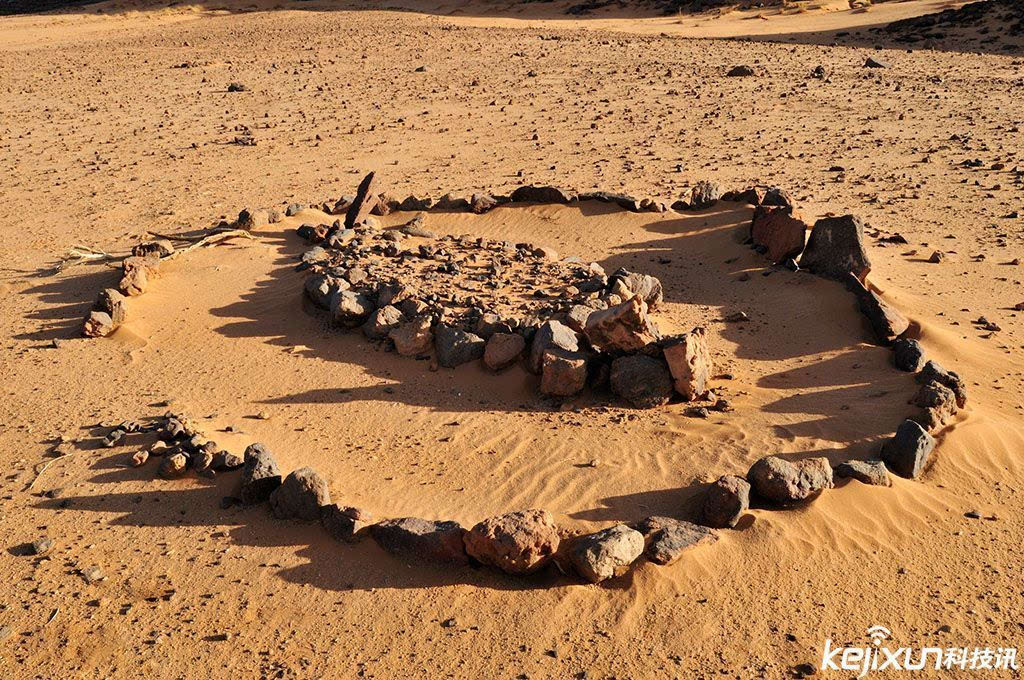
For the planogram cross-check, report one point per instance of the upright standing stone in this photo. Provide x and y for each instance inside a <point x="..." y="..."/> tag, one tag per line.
<point x="367" y="197"/>
<point x="260" y="475"/>
<point x="689" y="361"/>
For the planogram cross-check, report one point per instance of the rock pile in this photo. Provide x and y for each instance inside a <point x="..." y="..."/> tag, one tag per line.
<point x="110" y="310"/>
<point x="464" y="299"/>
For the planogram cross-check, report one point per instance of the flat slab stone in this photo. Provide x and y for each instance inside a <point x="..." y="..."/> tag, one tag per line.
<point x="667" y="539"/>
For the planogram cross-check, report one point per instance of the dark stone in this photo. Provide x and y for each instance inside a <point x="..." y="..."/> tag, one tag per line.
<point x="551" y="335"/>
<point x="908" y="355"/>
<point x="741" y="71"/>
<point x="906" y="454"/>
<point x="668" y="538"/>
<point x="422" y="540"/>
<point x="643" y="381"/>
<point x="455" y="346"/>
<point x="344" y="523"/>
<point x="933" y="371"/>
<point x="535" y="194"/>
<point x="778" y="197"/>
<point x="704" y="195"/>
<point x="836" y="248"/>
<point x="367" y="197"/>
<point x="300" y="496"/>
<point x="725" y="502"/>
<point x="260" y="475"/>
<point x="887" y="323"/>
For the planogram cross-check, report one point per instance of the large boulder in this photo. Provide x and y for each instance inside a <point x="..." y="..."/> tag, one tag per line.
<point x="777" y="196"/>
<point x="550" y="335"/>
<point x="725" y="502"/>
<point x="621" y="328"/>
<point x="98" y="325"/>
<point x="380" y="324"/>
<point x="871" y="472"/>
<point x="608" y="553"/>
<point x="667" y="539"/>
<point x="260" y="475"/>
<point x="908" y="355"/>
<point x="704" y="195"/>
<point x="836" y="248"/>
<point x="778" y="232"/>
<point x="534" y="194"/>
<point x="782" y="481"/>
<point x="320" y="288"/>
<point x="938" y="404"/>
<point x="517" y="542"/>
<point x="563" y="374"/>
<point x="887" y="323"/>
<point x="932" y="371"/>
<point x="300" y="496"/>
<point x="114" y="304"/>
<point x="422" y="540"/>
<point x="908" y="451"/>
<point x="626" y="284"/>
<point x="349" y="308"/>
<point x="502" y="350"/>
<point x="689" y="361"/>
<point x="413" y="338"/>
<point x="456" y="347"/>
<point x="643" y="381"/>
<point x="344" y="523"/>
<point x="367" y="197"/>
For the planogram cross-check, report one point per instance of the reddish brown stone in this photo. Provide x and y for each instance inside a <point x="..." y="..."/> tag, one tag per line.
<point x="779" y="231"/>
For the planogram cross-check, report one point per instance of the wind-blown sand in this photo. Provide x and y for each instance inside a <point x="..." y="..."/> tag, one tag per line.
<point x="102" y="139"/>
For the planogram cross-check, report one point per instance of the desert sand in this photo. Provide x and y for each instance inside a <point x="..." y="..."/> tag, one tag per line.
<point x="116" y="123"/>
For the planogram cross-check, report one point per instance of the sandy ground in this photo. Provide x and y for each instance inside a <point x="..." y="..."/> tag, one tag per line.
<point x="104" y="136"/>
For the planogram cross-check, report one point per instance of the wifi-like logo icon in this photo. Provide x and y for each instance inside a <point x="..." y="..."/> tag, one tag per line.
<point x="878" y="634"/>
